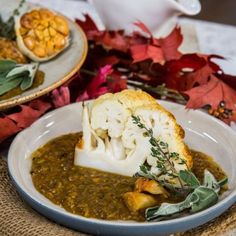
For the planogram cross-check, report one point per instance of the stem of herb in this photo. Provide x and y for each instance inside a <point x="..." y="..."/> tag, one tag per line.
<point x="160" y="90"/>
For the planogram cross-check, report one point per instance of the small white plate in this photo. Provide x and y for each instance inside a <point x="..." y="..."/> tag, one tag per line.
<point x="58" y="70"/>
<point x="203" y="133"/>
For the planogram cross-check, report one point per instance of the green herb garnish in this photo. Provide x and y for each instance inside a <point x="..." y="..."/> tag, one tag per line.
<point x="7" y="28"/>
<point x="160" y="151"/>
<point x="13" y="75"/>
<point x="199" y="196"/>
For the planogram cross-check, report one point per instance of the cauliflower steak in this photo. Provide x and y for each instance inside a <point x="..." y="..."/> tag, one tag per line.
<point x="112" y="142"/>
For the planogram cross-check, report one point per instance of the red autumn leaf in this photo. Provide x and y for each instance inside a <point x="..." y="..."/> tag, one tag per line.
<point x="88" y="24"/>
<point x="40" y="106"/>
<point x="107" y="60"/>
<point x="110" y="39"/>
<point x="114" y="40"/>
<point x="198" y="77"/>
<point x="159" y="50"/>
<point x="83" y="97"/>
<point x="7" y="128"/>
<point x="174" y="77"/>
<point x="30" y="113"/>
<point x="61" y="96"/>
<point x="211" y="93"/>
<point x="171" y="43"/>
<point x="144" y="52"/>
<point x="116" y="83"/>
<point x="145" y="29"/>
<point x="228" y="79"/>
<point x="97" y="85"/>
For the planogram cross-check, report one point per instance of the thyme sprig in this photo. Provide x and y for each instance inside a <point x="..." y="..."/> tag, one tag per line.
<point x="160" y="91"/>
<point x="164" y="158"/>
<point x="197" y="197"/>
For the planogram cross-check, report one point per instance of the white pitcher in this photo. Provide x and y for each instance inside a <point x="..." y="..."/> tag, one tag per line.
<point x="155" y="14"/>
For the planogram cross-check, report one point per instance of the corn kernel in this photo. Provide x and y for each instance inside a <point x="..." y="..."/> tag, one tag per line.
<point x="39" y="51"/>
<point x="29" y="42"/>
<point x="52" y="32"/>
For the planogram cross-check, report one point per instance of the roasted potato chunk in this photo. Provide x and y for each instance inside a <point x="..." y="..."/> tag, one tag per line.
<point x="150" y="186"/>
<point x="136" y="201"/>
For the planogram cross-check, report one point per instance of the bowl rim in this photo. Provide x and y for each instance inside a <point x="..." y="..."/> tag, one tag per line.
<point x="190" y="217"/>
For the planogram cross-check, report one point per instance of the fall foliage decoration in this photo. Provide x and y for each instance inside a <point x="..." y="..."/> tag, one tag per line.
<point x="140" y="60"/>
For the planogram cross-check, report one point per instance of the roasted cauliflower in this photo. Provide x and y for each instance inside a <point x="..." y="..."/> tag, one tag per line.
<point x="113" y="143"/>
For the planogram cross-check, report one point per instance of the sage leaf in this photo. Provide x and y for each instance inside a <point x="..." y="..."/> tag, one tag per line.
<point x="2" y="78"/>
<point x="16" y="71"/>
<point x="23" y="74"/>
<point x="6" y="87"/>
<point x="189" y="178"/>
<point x="26" y="83"/>
<point x="223" y="182"/>
<point x="168" y="209"/>
<point x="6" y="66"/>
<point x="210" y="181"/>
<point x="207" y="197"/>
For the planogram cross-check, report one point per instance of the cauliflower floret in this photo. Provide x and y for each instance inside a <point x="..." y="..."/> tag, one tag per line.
<point x="113" y="143"/>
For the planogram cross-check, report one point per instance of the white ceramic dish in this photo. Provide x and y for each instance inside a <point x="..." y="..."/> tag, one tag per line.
<point x="203" y="133"/>
<point x="58" y="70"/>
<point x="158" y="15"/>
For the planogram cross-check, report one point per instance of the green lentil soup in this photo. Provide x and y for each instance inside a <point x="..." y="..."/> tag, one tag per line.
<point x="89" y="192"/>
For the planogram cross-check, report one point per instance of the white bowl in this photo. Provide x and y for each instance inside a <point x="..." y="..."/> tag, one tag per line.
<point x="203" y="133"/>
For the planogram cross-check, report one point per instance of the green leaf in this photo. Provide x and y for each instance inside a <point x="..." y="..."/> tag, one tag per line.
<point x="207" y="197"/>
<point x="189" y="178"/>
<point x="26" y="83"/>
<point x="210" y="181"/>
<point x="200" y="199"/>
<point x="6" y="66"/>
<point x="223" y="182"/>
<point x="22" y="75"/>
<point x="2" y="78"/>
<point x="17" y="71"/>
<point x="10" y="85"/>
<point x="168" y="209"/>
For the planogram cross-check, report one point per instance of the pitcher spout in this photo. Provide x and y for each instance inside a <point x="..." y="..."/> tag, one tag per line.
<point x="188" y="7"/>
